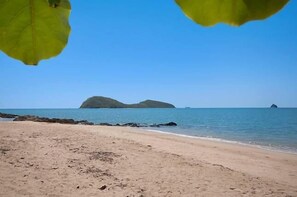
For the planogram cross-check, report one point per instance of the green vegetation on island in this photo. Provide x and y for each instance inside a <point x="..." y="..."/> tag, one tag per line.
<point x="104" y="102"/>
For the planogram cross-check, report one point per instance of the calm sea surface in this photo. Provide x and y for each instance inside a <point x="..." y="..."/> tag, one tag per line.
<point x="270" y="128"/>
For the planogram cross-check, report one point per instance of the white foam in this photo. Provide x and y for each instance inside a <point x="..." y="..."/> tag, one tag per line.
<point x="270" y="148"/>
<point x="6" y="119"/>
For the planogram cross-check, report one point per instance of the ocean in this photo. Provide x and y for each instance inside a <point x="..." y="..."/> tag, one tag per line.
<point x="267" y="128"/>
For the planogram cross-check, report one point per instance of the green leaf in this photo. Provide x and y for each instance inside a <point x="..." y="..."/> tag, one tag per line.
<point x="232" y="12"/>
<point x="32" y="30"/>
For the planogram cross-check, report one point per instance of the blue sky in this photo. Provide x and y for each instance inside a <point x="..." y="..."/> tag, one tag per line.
<point x="134" y="50"/>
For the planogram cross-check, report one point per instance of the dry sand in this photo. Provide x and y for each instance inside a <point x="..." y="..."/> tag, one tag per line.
<point x="40" y="159"/>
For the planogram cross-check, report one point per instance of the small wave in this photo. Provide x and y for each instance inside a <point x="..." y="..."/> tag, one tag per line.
<point x="6" y="119"/>
<point x="210" y="138"/>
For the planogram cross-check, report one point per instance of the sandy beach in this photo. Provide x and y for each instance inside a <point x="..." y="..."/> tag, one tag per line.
<point x="41" y="159"/>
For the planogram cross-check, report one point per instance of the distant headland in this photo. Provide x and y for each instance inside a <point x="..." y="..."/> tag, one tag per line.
<point x="105" y="102"/>
<point x="274" y="106"/>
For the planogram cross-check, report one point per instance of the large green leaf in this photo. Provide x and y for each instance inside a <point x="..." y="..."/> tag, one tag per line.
<point x="32" y="30"/>
<point x="233" y="12"/>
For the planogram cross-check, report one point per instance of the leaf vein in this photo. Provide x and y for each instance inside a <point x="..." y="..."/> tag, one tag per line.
<point x="18" y="14"/>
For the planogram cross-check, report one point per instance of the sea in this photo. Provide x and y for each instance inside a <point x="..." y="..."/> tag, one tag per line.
<point x="274" y="129"/>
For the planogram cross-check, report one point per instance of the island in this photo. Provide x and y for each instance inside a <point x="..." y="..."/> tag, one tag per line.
<point x="105" y="102"/>
<point x="274" y="106"/>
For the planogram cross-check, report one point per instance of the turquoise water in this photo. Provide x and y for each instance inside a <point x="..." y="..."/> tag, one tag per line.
<point x="271" y="128"/>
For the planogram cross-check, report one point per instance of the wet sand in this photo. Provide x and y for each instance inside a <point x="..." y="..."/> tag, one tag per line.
<point x="41" y="159"/>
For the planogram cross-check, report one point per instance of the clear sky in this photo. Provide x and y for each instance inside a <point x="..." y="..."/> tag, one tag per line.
<point x="134" y="50"/>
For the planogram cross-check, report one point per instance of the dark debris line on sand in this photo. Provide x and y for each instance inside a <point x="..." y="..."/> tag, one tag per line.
<point x="80" y="122"/>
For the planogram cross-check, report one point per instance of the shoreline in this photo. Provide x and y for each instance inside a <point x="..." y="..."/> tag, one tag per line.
<point x="268" y="141"/>
<point x="40" y="159"/>
<point x="14" y="117"/>
<point x="221" y="140"/>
